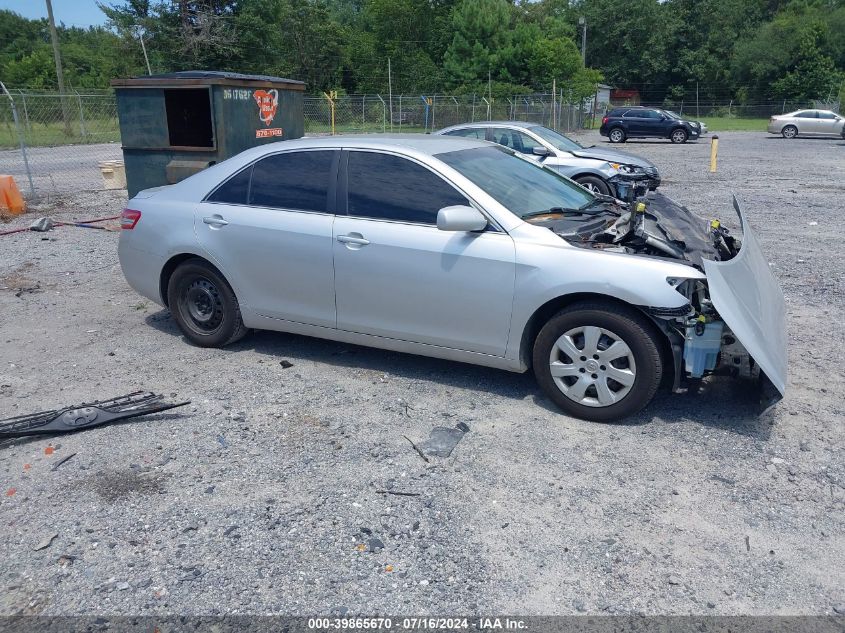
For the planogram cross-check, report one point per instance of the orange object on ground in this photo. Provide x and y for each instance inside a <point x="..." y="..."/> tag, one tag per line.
<point x="11" y="199"/>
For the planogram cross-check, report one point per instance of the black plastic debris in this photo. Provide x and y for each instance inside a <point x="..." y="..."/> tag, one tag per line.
<point x="86" y="415"/>
<point x="443" y="440"/>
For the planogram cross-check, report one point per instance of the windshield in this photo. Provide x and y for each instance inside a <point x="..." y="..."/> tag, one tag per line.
<point x="673" y="115"/>
<point x="556" y="139"/>
<point x="522" y="186"/>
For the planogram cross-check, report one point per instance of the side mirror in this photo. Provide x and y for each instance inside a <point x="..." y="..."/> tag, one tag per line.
<point x="539" y="150"/>
<point x="460" y="218"/>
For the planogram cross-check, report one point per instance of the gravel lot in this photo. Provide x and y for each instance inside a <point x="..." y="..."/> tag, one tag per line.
<point x="261" y="497"/>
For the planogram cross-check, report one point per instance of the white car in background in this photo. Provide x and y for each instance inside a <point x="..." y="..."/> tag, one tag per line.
<point x="807" y="123"/>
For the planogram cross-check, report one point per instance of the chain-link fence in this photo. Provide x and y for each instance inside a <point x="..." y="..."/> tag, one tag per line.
<point x="53" y="143"/>
<point x="734" y="109"/>
<point x="329" y="114"/>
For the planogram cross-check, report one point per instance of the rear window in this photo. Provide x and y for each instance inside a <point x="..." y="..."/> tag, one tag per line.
<point x="234" y="190"/>
<point x="469" y="132"/>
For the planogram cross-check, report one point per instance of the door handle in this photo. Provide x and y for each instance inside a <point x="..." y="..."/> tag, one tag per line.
<point x="352" y="239"/>
<point x="215" y="221"/>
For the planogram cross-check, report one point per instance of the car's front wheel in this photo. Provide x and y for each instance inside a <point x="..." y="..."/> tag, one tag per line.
<point x="679" y="136"/>
<point x="204" y="305"/>
<point x="598" y="361"/>
<point x="617" y="135"/>
<point x="594" y="184"/>
<point x="790" y="131"/>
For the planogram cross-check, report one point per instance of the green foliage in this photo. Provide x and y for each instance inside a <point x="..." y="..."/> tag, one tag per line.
<point x="481" y="45"/>
<point x="670" y="50"/>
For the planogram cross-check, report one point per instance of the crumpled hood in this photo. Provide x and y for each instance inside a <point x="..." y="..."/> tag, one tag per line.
<point x="613" y="156"/>
<point x="749" y="298"/>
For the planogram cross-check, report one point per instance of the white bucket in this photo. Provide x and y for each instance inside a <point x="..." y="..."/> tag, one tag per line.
<point x="114" y="174"/>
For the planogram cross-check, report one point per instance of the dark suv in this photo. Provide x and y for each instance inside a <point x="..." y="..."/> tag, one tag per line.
<point x="620" y="124"/>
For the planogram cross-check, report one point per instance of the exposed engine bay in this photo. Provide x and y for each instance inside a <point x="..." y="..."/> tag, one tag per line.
<point x="655" y="226"/>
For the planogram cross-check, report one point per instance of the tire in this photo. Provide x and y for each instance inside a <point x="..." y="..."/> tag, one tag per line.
<point x="617" y="135"/>
<point x="594" y="184"/>
<point x="581" y="393"/>
<point x="789" y="131"/>
<point x="679" y="135"/>
<point x="204" y="305"/>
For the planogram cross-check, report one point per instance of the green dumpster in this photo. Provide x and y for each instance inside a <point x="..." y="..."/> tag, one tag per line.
<point x="176" y="124"/>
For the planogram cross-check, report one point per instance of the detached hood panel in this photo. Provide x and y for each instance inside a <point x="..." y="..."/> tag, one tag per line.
<point x="748" y="297"/>
<point x="612" y="156"/>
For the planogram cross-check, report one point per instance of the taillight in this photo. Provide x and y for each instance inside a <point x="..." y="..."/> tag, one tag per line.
<point x="129" y="218"/>
<point x="604" y="120"/>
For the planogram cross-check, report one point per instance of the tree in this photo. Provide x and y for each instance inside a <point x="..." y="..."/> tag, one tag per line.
<point x="481" y="45"/>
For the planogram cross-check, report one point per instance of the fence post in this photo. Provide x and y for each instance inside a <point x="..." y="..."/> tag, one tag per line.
<point x="383" y="114"/>
<point x="81" y="115"/>
<point x="400" y="114"/>
<point x="364" y="112"/>
<point x="331" y="96"/>
<point x="20" y="139"/>
<point x="473" y="109"/>
<point x="433" y="104"/>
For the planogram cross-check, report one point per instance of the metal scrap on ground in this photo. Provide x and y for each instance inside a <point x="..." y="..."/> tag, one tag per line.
<point x="86" y="415"/>
<point x="442" y="440"/>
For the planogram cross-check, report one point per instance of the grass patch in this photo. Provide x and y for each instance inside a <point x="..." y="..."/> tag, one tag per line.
<point x="724" y="124"/>
<point x="54" y="134"/>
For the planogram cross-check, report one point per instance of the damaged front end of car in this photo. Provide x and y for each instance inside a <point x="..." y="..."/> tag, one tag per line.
<point x="734" y="320"/>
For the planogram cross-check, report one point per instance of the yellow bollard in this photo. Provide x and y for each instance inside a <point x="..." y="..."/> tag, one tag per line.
<point x="714" y="151"/>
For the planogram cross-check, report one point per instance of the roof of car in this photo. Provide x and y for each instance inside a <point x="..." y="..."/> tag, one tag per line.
<point x="525" y="124"/>
<point x="424" y="143"/>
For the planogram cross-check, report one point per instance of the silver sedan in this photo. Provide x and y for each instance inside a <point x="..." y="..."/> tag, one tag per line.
<point x="807" y="123"/>
<point x="459" y="249"/>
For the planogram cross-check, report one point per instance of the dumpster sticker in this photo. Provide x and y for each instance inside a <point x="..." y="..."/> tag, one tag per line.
<point x="268" y="132"/>
<point x="268" y="103"/>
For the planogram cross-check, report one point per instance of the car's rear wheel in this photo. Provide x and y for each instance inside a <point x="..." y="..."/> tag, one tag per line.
<point x="204" y="305"/>
<point x="679" y="136"/>
<point x="594" y="184"/>
<point x="617" y="135"/>
<point x="598" y="361"/>
<point x="790" y="131"/>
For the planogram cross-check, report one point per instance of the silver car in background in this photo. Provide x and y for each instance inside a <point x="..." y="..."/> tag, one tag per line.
<point x="807" y="123"/>
<point x="459" y="249"/>
<point x="598" y="169"/>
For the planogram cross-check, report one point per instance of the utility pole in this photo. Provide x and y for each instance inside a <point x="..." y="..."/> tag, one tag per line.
<point x="582" y="21"/>
<point x="58" y="57"/>
<point x="144" y="48"/>
<point x="390" y="96"/>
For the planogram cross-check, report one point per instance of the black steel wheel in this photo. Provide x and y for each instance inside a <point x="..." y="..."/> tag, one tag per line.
<point x="204" y="305"/>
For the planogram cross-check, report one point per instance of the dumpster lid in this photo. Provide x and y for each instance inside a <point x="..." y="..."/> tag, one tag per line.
<point x="207" y="77"/>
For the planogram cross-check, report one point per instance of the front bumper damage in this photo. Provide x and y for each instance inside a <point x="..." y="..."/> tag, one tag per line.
<point x="734" y="319"/>
<point x="737" y="320"/>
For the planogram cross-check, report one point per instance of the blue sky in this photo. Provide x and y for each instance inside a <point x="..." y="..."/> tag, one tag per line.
<point x="72" y="12"/>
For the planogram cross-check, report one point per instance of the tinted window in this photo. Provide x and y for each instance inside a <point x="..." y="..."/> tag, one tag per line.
<point x="518" y="141"/>
<point x="807" y="114"/>
<point x="394" y="188"/>
<point x="650" y="114"/>
<point x="234" y="190"/>
<point x="827" y="115"/>
<point x="520" y="185"/>
<point x="470" y="132"/>
<point x="293" y="180"/>
<point x="558" y="140"/>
